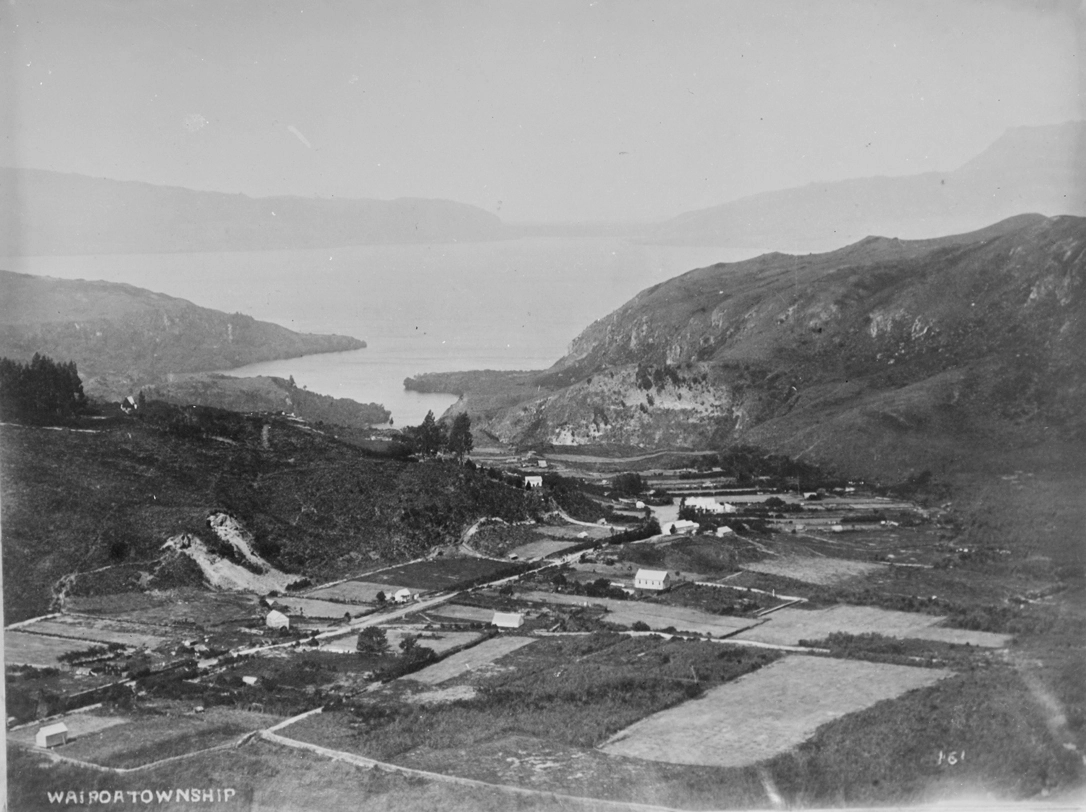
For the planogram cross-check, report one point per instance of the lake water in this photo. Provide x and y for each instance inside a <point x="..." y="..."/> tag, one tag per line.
<point x="513" y="304"/>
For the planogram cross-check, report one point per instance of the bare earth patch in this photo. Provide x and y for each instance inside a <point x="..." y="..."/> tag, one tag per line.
<point x="766" y="712"/>
<point x="789" y="626"/>
<point x="814" y="569"/>
<point x="442" y="695"/>
<point x="471" y="614"/>
<point x="473" y="659"/>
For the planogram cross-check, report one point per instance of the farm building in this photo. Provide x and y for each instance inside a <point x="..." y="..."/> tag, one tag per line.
<point x="706" y="503"/>
<point x="724" y="531"/>
<point x="277" y="620"/>
<point x="52" y="735"/>
<point x="652" y="579"/>
<point x="533" y="481"/>
<point x="681" y="527"/>
<point x="508" y="620"/>
<point x="401" y="596"/>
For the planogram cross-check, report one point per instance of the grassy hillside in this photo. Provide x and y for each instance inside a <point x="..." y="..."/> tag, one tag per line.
<point x="106" y="496"/>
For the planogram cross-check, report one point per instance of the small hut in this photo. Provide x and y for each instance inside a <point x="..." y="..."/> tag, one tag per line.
<point x="52" y="735"/>
<point x="508" y="620"/>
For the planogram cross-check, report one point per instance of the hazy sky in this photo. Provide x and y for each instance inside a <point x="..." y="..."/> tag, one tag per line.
<point x="535" y="110"/>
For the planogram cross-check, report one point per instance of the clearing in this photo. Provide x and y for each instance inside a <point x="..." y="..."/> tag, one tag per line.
<point x="21" y="648"/>
<point x="766" y="712"/>
<point x="355" y="591"/>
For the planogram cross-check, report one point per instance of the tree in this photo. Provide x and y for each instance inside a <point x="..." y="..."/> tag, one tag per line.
<point x="460" y="440"/>
<point x="381" y="597"/>
<point x="372" y="640"/>
<point x="43" y="391"/>
<point x="427" y="438"/>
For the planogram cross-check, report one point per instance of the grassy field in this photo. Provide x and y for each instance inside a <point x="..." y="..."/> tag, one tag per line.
<point x="814" y="570"/>
<point x="766" y="712"/>
<point x="170" y="607"/>
<point x="22" y="648"/>
<point x="355" y="591"/>
<point x="98" y="630"/>
<point x="146" y="739"/>
<point x="540" y="549"/>
<point x="476" y="658"/>
<point x="78" y="724"/>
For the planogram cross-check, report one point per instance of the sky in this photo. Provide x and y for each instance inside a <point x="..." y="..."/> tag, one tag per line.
<point x="550" y="110"/>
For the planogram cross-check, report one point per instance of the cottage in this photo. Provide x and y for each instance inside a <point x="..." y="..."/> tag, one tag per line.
<point x="508" y="620"/>
<point x="533" y="482"/>
<point x="682" y="527"/>
<point x="542" y="463"/>
<point x="402" y="596"/>
<point x="658" y="580"/>
<point x="724" y="531"/>
<point x="52" y="735"/>
<point x="277" y="620"/>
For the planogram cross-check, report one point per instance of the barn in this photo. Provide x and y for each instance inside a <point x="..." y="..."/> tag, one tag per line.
<point x="277" y="620"/>
<point x="681" y="527"/>
<point x="533" y="482"/>
<point x="652" y="579"/>
<point x="706" y="503"/>
<point x="401" y="596"/>
<point x="52" y="735"/>
<point x="508" y="620"/>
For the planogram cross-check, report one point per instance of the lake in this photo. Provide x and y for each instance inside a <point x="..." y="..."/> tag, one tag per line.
<point x="512" y="304"/>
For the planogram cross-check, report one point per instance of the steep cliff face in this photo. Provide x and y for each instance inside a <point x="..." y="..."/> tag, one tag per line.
<point x="931" y="342"/>
<point x="120" y="335"/>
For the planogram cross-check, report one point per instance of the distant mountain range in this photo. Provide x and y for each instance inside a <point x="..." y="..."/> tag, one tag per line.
<point x="122" y="336"/>
<point x="883" y="358"/>
<point x="1028" y="169"/>
<point x="54" y="213"/>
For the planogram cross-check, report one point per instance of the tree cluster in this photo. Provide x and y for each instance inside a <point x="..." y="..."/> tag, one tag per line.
<point x="432" y="437"/>
<point x="42" y="391"/>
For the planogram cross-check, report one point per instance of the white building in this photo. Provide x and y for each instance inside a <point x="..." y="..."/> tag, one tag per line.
<point x="508" y="620"/>
<point x="533" y="481"/>
<point x="706" y="503"/>
<point x="52" y="735"/>
<point x="724" y="531"/>
<point x="681" y="527"/>
<point x="401" y="596"/>
<point x="277" y="620"/>
<point x="652" y="579"/>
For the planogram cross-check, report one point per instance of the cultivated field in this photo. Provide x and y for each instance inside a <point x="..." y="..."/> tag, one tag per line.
<point x="789" y="626"/>
<point x="354" y="591"/>
<point x="766" y="712"/>
<point x="657" y="616"/>
<point x="473" y="659"/>
<point x="21" y="648"/>
<point x="814" y="569"/>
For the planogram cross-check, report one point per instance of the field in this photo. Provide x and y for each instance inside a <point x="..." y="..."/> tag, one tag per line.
<point x="170" y="607"/>
<point x="148" y="738"/>
<point x="790" y="625"/>
<point x="766" y="712"/>
<point x="657" y="616"/>
<point x="310" y="607"/>
<point x="475" y="658"/>
<point x="814" y="570"/>
<point x="78" y="724"/>
<point x="96" y="630"/>
<point x="469" y="614"/>
<point x="437" y="574"/>
<point x="354" y="591"/>
<point x="540" y="549"/>
<point x="21" y="648"/>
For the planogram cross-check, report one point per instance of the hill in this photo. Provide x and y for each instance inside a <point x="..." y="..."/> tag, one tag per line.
<point x="884" y="358"/>
<point x="105" y="498"/>
<point x="122" y="336"/>
<point x="57" y="213"/>
<point x="1040" y="169"/>
<point x="265" y="394"/>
